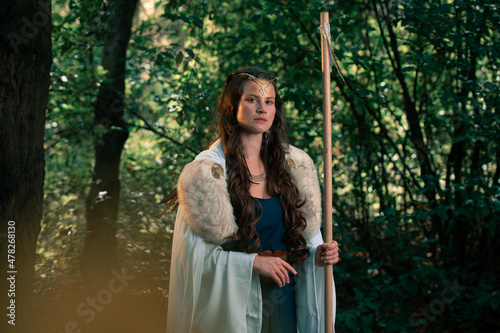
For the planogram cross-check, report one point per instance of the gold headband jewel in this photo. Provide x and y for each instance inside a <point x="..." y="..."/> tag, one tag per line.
<point x="262" y="86"/>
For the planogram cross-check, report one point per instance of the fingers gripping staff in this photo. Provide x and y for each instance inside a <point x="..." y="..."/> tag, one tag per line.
<point x="327" y="254"/>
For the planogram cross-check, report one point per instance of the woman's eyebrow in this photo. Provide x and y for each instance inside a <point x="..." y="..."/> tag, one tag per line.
<point x="255" y="95"/>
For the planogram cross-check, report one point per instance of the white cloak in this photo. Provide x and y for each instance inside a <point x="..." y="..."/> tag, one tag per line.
<point x="217" y="291"/>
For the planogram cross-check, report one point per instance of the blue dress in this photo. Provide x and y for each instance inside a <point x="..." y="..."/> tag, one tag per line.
<point x="278" y="304"/>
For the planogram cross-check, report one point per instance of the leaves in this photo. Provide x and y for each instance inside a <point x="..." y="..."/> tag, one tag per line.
<point x="409" y="213"/>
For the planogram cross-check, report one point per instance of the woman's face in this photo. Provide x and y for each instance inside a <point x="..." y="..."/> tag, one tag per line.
<point x="257" y="107"/>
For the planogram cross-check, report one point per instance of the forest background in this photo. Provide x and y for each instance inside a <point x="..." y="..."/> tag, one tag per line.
<point x="104" y="102"/>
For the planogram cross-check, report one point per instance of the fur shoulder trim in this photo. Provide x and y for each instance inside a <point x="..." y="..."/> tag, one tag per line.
<point x="205" y="202"/>
<point x="304" y="175"/>
<point x="206" y="206"/>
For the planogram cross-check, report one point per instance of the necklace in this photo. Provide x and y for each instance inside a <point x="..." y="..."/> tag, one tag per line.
<point x="257" y="179"/>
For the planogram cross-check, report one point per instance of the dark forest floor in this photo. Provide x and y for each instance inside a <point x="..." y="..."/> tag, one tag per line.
<point x="136" y="305"/>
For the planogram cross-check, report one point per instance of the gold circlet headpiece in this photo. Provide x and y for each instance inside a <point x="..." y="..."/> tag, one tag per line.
<point x="262" y="85"/>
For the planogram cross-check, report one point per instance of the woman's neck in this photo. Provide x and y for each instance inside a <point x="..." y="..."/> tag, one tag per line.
<point x="251" y="150"/>
<point x="251" y="145"/>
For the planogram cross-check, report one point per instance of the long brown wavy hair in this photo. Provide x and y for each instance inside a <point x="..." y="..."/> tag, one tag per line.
<point x="279" y="182"/>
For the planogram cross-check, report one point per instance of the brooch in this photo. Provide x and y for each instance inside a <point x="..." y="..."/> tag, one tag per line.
<point x="217" y="171"/>
<point x="290" y="165"/>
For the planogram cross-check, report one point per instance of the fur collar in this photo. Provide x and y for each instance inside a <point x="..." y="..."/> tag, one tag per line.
<point x="205" y="203"/>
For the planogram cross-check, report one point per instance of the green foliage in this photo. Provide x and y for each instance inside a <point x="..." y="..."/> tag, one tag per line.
<point x="415" y="136"/>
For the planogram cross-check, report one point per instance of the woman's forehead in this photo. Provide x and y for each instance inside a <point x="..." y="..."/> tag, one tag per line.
<point x="261" y="88"/>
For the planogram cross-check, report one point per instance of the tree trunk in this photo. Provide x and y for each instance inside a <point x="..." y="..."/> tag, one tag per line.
<point x="99" y="254"/>
<point x="25" y="61"/>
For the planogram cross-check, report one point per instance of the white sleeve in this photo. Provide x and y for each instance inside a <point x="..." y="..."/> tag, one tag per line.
<point x="211" y="290"/>
<point x="310" y="293"/>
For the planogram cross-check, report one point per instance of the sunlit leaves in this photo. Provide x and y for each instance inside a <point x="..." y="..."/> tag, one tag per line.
<point x="396" y="241"/>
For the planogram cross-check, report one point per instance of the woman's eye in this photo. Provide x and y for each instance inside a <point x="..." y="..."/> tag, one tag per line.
<point x="251" y="100"/>
<point x="270" y="102"/>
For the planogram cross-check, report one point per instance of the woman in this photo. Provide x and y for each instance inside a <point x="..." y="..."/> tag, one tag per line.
<point x="247" y="251"/>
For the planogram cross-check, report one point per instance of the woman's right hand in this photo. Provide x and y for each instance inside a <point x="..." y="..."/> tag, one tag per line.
<point x="275" y="268"/>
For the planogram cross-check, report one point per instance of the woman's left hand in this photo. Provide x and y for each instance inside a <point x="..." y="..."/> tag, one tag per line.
<point x="327" y="254"/>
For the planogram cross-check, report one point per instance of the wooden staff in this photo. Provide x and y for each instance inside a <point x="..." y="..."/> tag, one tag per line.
<point x="327" y="169"/>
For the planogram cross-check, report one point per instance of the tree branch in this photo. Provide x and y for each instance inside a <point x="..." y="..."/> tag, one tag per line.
<point x="308" y="33"/>
<point x="149" y="127"/>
